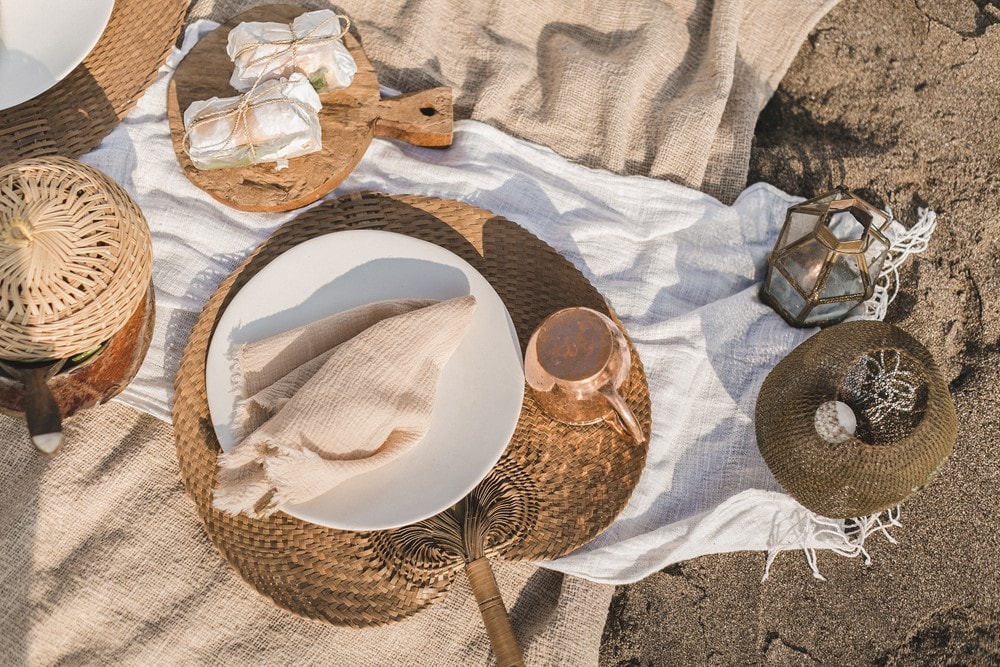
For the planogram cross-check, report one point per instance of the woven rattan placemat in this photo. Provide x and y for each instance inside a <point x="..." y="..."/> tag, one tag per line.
<point x="73" y="116"/>
<point x="568" y="482"/>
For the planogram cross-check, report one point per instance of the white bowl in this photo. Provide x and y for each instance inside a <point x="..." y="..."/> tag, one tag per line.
<point x="41" y="41"/>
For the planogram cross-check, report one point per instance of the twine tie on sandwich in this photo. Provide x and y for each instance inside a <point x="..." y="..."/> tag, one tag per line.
<point x="251" y="100"/>
<point x="248" y="103"/>
<point x="295" y="42"/>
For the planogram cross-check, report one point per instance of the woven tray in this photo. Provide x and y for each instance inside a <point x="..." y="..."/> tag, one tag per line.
<point x="73" y="116"/>
<point x="569" y="483"/>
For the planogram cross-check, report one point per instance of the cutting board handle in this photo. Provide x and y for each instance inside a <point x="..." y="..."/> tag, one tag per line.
<point x="421" y="119"/>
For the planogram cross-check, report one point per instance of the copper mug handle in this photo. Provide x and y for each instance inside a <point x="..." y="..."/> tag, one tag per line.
<point x="623" y="420"/>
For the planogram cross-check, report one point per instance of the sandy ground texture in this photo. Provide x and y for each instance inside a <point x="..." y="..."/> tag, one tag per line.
<point x="900" y="100"/>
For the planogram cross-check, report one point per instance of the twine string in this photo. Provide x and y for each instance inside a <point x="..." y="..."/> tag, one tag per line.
<point x="293" y="44"/>
<point x="251" y="100"/>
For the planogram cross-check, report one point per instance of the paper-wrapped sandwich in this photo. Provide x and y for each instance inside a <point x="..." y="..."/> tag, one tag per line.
<point x="277" y="120"/>
<point x="311" y="45"/>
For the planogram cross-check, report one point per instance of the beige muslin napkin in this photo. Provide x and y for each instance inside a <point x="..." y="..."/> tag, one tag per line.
<point x="335" y="398"/>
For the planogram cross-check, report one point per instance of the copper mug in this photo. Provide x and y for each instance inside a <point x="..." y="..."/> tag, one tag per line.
<point x="576" y="363"/>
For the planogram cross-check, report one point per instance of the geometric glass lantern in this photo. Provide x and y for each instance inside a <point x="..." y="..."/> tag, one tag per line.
<point x="827" y="259"/>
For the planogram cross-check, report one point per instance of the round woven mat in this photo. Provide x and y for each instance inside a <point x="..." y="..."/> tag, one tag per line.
<point x="568" y="483"/>
<point x="74" y="115"/>
<point x="906" y="423"/>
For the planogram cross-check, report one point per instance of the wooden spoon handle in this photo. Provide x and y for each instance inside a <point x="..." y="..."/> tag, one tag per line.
<point x="421" y="119"/>
<point x="495" y="617"/>
<point x="41" y="410"/>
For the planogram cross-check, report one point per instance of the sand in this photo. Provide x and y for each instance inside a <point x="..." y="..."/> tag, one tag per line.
<point x="900" y="101"/>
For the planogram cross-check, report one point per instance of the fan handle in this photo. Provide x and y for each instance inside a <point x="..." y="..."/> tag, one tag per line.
<point x="495" y="617"/>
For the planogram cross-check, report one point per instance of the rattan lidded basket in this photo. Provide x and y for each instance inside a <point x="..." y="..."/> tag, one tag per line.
<point x="75" y="259"/>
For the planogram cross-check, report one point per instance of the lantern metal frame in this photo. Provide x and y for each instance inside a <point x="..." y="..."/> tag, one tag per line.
<point x="824" y="207"/>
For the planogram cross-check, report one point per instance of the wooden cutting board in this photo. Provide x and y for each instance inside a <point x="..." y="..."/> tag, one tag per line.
<point x="350" y="118"/>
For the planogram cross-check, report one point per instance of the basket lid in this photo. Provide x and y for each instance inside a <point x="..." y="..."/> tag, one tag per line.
<point x="75" y="258"/>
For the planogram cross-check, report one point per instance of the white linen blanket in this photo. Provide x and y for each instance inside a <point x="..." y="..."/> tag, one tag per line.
<point x="680" y="269"/>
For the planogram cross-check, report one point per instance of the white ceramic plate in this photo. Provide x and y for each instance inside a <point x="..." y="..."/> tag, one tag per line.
<point x="479" y="392"/>
<point x="41" y="41"/>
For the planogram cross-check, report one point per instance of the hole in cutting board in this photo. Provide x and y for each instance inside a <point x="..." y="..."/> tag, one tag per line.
<point x="428" y="111"/>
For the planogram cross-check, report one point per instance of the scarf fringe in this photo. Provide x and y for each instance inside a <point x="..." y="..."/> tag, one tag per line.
<point x="911" y="242"/>
<point x="845" y="537"/>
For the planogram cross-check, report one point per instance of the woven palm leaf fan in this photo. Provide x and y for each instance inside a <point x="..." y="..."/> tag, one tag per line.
<point x="903" y="419"/>
<point x="555" y="488"/>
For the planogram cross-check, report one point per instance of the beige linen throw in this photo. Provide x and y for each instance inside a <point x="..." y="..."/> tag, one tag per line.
<point x="663" y="88"/>
<point x="103" y="561"/>
<point x="334" y="399"/>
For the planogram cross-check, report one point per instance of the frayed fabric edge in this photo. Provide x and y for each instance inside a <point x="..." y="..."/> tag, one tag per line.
<point x="245" y="420"/>
<point x="249" y="412"/>
<point x="844" y="537"/>
<point x="251" y="477"/>
<point x="908" y="242"/>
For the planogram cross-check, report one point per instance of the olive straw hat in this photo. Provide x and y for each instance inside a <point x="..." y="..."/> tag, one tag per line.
<point x="905" y="419"/>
